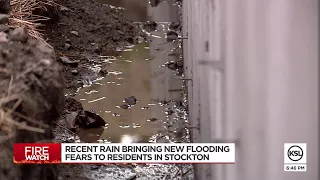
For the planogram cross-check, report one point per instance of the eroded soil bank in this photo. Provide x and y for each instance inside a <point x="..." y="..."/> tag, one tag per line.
<point x="31" y="89"/>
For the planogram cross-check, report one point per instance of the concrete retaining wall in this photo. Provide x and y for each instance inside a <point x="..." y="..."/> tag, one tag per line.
<point x="254" y="70"/>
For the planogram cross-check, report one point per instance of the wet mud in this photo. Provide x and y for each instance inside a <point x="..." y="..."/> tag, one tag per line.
<point x="121" y="62"/>
<point x="83" y="31"/>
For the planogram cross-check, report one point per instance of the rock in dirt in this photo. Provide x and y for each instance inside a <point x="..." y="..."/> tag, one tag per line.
<point x="66" y="60"/>
<point x="97" y="48"/>
<point x="4" y="18"/>
<point x="94" y="168"/>
<point x="87" y="119"/>
<point x="67" y="46"/>
<point x="31" y="76"/>
<point x="4" y="6"/>
<point x="74" y="33"/>
<point x="130" y="100"/>
<point x="75" y="72"/>
<point x="19" y="34"/>
<point x="121" y="33"/>
<point x="63" y="8"/>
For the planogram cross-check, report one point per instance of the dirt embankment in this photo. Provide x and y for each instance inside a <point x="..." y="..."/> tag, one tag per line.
<point x="31" y="99"/>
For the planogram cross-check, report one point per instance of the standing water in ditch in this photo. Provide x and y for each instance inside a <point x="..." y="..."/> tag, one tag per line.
<point x="142" y="96"/>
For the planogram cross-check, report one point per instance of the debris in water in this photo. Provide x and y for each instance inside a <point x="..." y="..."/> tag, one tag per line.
<point x="124" y="106"/>
<point x="96" y="99"/>
<point x="134" y="125"/>
<point x="178" y="103"/>
<point x="164" y="103"/>
<point x="87" y="119"/>
<point x="130" y="100"/>
<point x="174" y="65"/>
<point x="150" y="26"/>
<point x="179" y="63"/>
<point x="171" y="65"/>
<point x="169" y="112"/>
<point x="152" y="119"/>
<point x="124" y="126"/>
<point x="145" y="108"/>
<point x="103" y="72"/>
<point x="174" y="25"/>
<point x="172" y="35"/>
<point x="115" y="114"/>
<point x="154" y="3"/>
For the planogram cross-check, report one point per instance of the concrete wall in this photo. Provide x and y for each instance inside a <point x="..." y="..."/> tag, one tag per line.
<point x="254" y="70"/>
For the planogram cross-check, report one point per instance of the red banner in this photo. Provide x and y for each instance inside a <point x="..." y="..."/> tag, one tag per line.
<point x="37" y="153"/>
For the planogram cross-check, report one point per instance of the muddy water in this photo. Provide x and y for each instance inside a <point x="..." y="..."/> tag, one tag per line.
<point x="138" y="71"/>
<point x="136" y="10"/>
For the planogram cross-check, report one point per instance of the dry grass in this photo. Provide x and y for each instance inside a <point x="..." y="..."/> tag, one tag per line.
<point x="22" y="14"/>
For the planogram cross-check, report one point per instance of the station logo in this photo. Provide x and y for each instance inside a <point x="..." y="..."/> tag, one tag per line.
<point x="295" y="156"/>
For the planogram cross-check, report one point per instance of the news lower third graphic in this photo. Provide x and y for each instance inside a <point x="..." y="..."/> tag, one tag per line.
<point x="213" y="153"/>
<point x="295" y="157"/>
